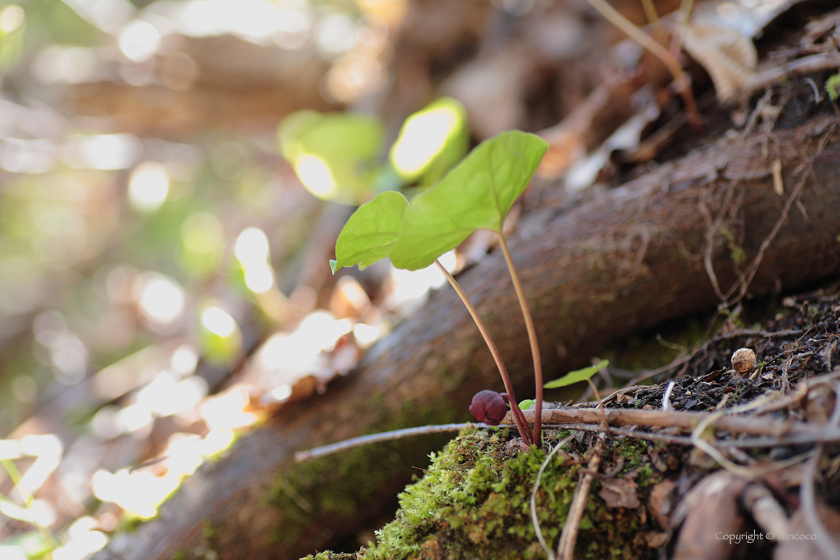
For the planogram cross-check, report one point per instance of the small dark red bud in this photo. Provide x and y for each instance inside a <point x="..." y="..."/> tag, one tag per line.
<point x="488" y="407"/>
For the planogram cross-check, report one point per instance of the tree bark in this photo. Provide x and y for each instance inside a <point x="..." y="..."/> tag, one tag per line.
<point x="631" y="258"/>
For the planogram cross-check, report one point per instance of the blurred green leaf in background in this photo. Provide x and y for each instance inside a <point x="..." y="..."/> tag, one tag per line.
<point x="334" y="155"/>
<point x="431" y="141"/>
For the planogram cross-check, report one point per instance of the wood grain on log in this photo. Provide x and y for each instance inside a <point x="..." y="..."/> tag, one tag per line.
<point x="622" y="262"/>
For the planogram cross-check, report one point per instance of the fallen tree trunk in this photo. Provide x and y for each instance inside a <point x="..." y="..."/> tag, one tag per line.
<point x="667" y="244"/>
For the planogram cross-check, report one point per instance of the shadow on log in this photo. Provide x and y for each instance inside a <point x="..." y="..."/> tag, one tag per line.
<point x="625" y="261"/>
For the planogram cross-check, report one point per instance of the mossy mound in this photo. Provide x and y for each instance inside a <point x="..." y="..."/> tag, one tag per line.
<point x="474" y="502"/>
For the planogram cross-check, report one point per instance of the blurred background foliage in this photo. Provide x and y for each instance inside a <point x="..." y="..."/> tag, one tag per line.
<point x="163" y="275"/>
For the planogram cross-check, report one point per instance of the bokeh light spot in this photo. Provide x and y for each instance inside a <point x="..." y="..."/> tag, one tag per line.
<point x="148" y="186"/>
<point x="423" y="137"/>
<point x="315" y="175"/>
<point x="218" y="321"/>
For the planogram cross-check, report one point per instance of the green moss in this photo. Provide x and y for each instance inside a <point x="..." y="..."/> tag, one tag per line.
<point x="633" y="450"/>
<point x="636" y="453"/>
<point x="474" y="502"/>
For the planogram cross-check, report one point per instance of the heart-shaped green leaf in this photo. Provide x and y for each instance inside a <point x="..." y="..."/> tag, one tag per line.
<point x="477" y="194"/>
<point x="371" y="232"/>
<point x="579" y="375"/>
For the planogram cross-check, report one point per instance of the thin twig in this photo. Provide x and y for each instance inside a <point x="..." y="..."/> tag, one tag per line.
<point x="534" y="519"/>
<point x="772" y="433"/>
<point x="813" y="63"/>
<point x="318" y="452"/>
<point x="801" y="438"/>
<point x="521" y="425"/>
<point x="664" y="55"/>
<point x="290" y="491"/>
<point x="532" y="338"/>
<point x="682" y="24"/>
<point x="807" y="492"/>
<point x="686" y="421"/>
<point x="654" y="372"/>
<point x="648" y="436"/>
<point x="568" y="538"/>
<point x="752" y="471"/>
<point x="653" y="19"/>
<point x="766" y="511"/>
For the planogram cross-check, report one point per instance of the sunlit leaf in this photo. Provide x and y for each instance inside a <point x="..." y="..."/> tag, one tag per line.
<point x="371" y="232"/>
<point x="477" y="194"/>
<point x="431" y="141"/>
<point x="575" y="376"/>
<point x="333" y="155"/>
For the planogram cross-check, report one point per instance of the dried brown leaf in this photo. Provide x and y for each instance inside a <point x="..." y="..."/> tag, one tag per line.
<point x="660" y="503"/>
<point x="619" y="492"/>
<point x="710" y="508"/>
<point x="728" y="56"/>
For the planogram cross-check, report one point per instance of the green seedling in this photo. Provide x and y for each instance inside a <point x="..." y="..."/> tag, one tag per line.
<point x="527" y="404"/>
<point x="477" y="194"/>
<point x="831" y="86"/>
<point x="576" y="376"/>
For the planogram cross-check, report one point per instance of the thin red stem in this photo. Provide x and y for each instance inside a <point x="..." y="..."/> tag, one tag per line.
<point x="532" y="339"/>
<point x="519" y="418"/>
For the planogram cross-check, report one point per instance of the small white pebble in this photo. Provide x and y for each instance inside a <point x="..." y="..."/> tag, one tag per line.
<point x="743" y="360"/>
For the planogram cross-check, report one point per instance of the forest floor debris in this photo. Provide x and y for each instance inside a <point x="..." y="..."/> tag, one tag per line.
<point x="776" y="497"/>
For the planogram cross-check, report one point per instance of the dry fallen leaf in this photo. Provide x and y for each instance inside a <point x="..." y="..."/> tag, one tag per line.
<point x="711" y="508"/>
<point x="660" y="503"/>
<point x="619" y="492"/>
<point x="728" y="56"/>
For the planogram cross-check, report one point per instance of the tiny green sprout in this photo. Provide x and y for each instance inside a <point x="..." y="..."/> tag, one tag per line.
<point x="476" y="194"/>
<point x="578" y="375"/>
<point x="527" y="404"/>
<point x="832" y="84"/>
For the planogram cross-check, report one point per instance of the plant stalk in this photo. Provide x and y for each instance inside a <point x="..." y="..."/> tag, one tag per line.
<point x="518" y="417"/>
<point x="664" y="55"/>
<point x="653" y="20"/>
<point x="532" y="339"/>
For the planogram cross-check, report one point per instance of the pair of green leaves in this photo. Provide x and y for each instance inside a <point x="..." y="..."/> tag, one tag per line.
<point x="477" y="194"/>
<point x="569" y="379"/>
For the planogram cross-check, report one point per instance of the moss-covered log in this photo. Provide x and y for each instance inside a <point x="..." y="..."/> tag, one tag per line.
<point x="627" y="260"/>
<point x="473" y="502"/>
